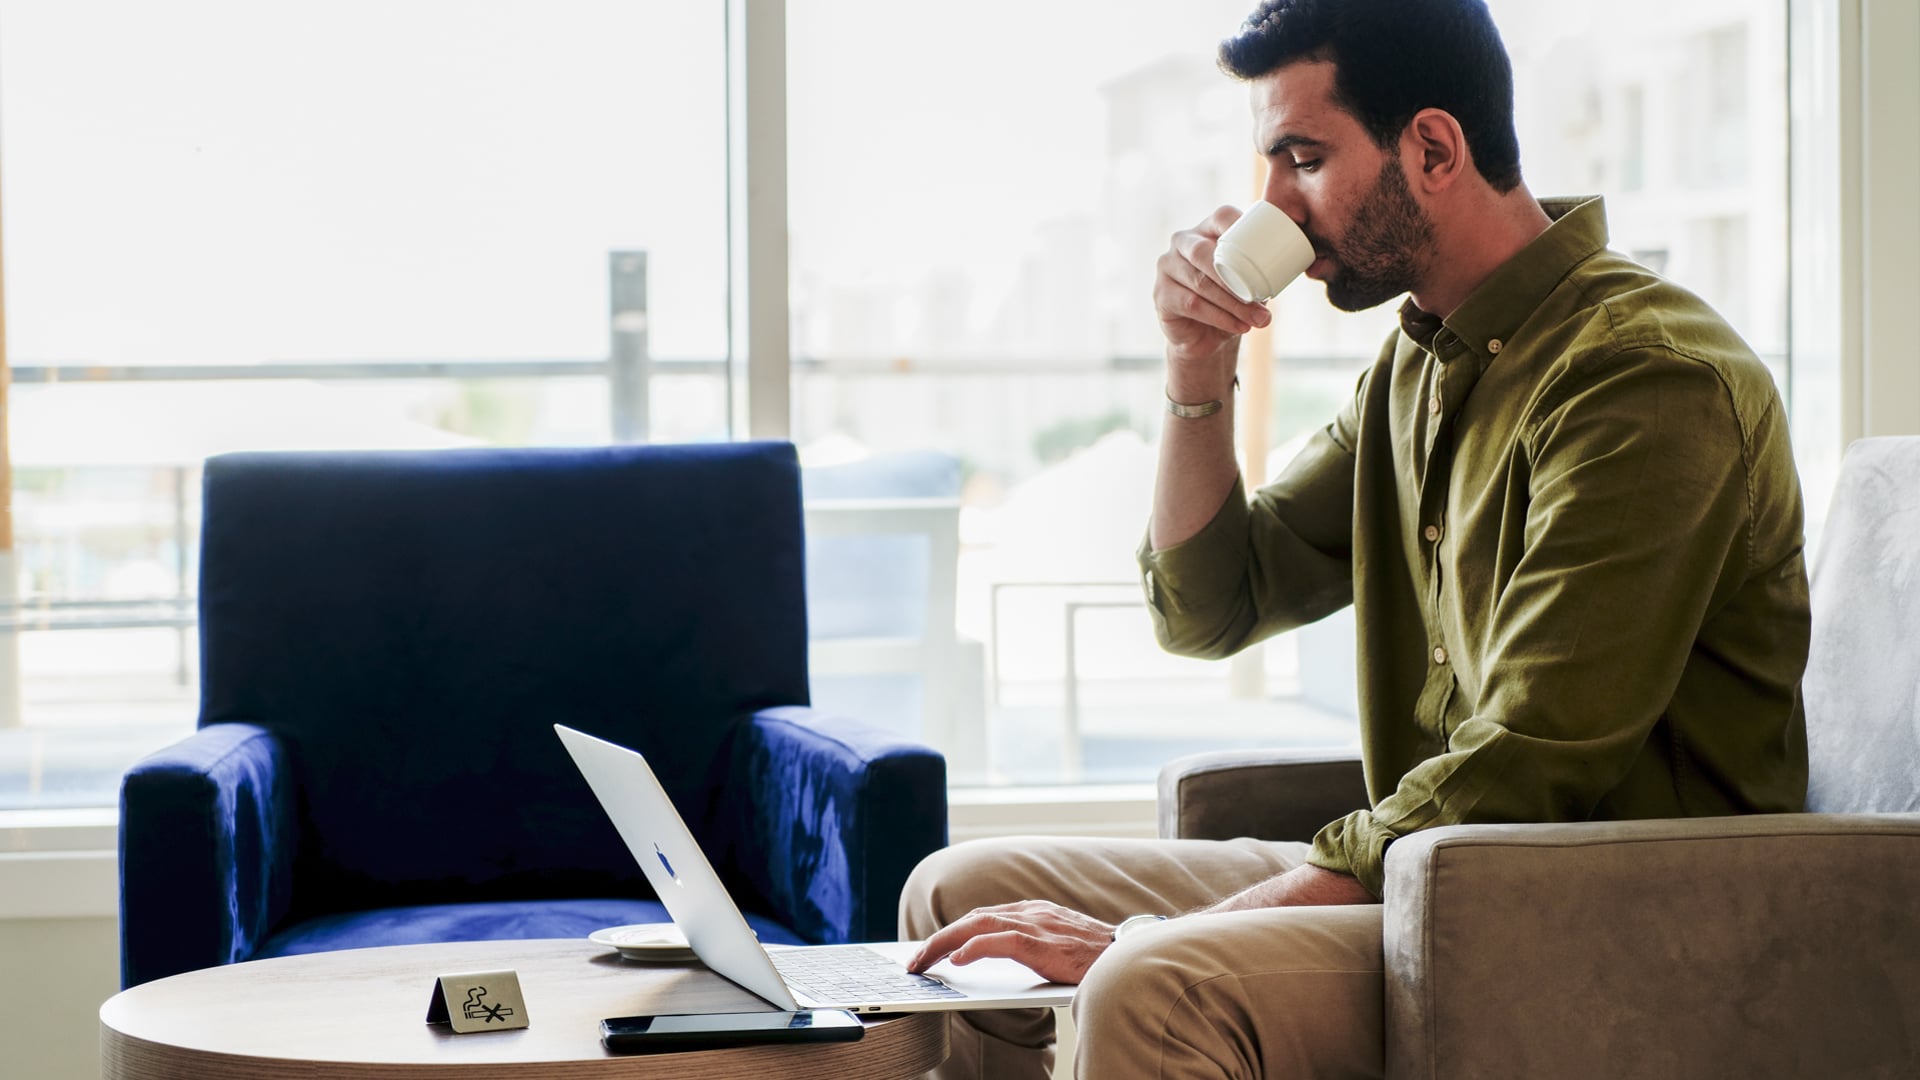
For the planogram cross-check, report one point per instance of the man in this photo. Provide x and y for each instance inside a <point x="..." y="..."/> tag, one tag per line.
<point x="1561" y="501"/>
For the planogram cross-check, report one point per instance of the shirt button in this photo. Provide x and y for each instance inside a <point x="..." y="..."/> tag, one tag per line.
<point x="1432" y="533"/>
<point x="1493" y="346"/>
<point x="1439" y="654"/>
<point x="1433" y="405"/>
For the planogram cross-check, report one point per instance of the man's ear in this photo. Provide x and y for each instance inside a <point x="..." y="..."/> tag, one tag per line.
<point x="1435" y="150"/>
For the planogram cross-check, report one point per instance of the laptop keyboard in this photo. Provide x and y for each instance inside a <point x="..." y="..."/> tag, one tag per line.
<point x="854" y="974"/>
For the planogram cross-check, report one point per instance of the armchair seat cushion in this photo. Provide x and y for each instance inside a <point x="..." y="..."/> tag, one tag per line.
<point x="493" y="921"/>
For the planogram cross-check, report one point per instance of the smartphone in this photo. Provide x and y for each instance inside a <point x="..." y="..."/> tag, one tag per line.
<point x="711" y="1031"/>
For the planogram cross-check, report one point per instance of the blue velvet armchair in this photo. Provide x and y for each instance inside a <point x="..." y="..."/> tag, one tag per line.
<point x="386" y="641"/>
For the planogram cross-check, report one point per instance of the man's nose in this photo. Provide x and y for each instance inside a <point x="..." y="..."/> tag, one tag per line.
<point x="1282" y="193"/>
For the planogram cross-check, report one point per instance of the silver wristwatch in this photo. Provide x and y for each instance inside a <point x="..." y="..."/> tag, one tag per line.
<point x="1134" y="922"/>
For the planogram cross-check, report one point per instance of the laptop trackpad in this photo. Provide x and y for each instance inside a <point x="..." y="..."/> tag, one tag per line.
<point x="992" y="978"/>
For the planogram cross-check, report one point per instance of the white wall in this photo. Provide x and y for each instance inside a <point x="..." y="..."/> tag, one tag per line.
<point x="1888" y="173"/>
<point x="59" y="940"/>
<point x="54" y="974"/>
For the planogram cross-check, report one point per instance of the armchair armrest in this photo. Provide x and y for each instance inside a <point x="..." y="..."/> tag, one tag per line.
<point x="1770" y="945"/>
<point x="838" y="814"/>
<point x="1274" y="794"/>
<point x="207" y="843"/>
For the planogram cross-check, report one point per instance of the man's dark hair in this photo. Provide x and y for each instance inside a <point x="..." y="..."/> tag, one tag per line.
<point x="1391" y="59"/>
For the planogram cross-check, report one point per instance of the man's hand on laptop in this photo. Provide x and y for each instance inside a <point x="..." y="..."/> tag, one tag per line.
<point x="1058" y="943"/>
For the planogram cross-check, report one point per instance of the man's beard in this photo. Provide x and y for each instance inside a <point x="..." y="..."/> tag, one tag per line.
<point x="1379" y="257"/>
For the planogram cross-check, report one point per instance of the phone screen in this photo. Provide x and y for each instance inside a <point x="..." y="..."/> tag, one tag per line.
<point x="639" y="1034"/>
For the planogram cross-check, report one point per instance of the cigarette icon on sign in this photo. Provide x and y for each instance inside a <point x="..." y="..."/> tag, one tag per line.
<point x="476" y="1009"/>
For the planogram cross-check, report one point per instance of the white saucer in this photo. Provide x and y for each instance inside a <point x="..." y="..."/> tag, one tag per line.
<point x="653" y="942"/>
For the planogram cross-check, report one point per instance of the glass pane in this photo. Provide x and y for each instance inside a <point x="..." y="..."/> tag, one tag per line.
<point x="1819" y="308"/>
<point x="971" y="261"/>
<point x="232" y="225"/>
<point x="235" y="182"/>
<point x="1678" y="115"/>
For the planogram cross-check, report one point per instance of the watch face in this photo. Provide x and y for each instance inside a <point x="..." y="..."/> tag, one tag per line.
<point x="1134" y="922"/>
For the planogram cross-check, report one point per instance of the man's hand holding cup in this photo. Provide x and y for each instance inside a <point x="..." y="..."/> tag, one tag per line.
<point x="1212" y="286"/>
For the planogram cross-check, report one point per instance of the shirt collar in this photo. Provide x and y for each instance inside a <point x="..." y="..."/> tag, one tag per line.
<point x="1491" y="314"/>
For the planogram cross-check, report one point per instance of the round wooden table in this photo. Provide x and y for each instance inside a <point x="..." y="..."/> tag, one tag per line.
<point x="362" y="1013"/>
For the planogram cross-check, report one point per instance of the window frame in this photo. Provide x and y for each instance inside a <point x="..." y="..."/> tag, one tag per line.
<point x="60" y="862"/>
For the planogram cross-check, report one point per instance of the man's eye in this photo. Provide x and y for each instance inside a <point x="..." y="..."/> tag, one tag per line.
<point x="1307" y="166"/>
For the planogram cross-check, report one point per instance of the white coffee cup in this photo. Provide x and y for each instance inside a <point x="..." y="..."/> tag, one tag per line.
<point x="1261" y="253"/>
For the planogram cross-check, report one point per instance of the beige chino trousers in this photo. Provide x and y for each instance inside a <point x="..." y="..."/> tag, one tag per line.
<point x="1281" y="992"/>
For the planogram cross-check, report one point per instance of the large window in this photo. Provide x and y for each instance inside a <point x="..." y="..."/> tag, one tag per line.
<point x="976" y="207"/>
<point x="233" y="225"/>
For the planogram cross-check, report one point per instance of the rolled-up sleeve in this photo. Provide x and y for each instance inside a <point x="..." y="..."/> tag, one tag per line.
<point x="1260" y="568"/>
<point x="1637" y="526"/>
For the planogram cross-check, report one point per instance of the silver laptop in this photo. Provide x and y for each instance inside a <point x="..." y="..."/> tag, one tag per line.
<point x="864" y="978"/>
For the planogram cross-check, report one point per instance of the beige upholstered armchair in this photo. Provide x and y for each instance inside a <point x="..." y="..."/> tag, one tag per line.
<point x="1775" y="945"/>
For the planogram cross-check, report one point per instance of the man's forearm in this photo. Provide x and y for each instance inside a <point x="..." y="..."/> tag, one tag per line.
<point x="1197" y="465"/>
<point x="1305" y="885"/>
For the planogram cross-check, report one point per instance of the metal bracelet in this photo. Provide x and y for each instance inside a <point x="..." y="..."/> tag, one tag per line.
<point x="1195" y="412"/>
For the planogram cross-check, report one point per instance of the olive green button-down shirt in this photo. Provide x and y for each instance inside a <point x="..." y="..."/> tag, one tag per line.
<point x="1568" y="520"/>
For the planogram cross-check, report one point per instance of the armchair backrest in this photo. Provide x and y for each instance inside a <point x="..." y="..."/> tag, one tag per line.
<point x="412" y="624"/>
<point x="1862" y="687"/>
